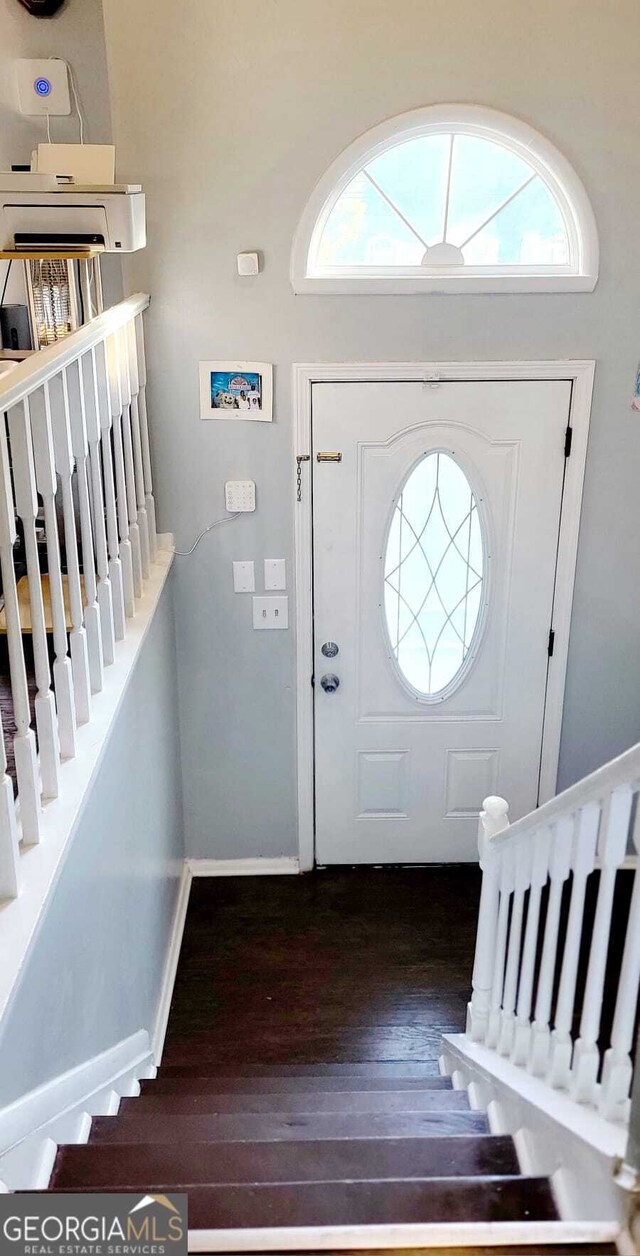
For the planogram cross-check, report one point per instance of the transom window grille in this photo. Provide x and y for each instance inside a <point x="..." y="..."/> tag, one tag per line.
<point x="433" y="574"/>
<point x="445" y="200"/>
<point x="448" y="198"/>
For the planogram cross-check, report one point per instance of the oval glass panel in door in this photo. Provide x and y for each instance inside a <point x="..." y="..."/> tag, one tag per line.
<point x="434" y="574"/>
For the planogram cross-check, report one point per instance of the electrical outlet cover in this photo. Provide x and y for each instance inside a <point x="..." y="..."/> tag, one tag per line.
<point x="244" y="576"/>
<point x="275" y="573"/>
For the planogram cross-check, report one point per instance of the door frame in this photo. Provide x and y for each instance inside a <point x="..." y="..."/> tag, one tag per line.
<point x="581" y="376"/>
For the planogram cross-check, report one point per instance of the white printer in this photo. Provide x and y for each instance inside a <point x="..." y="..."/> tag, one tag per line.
<point x="47" y="211"/>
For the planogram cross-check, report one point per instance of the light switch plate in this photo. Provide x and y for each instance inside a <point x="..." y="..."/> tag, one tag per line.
<point x="270" y="612"/>
<point x="43" y="87"/>
<point x="240" y="495"/>
<point x="244" y="578"/>
<point x="275" y="573"/>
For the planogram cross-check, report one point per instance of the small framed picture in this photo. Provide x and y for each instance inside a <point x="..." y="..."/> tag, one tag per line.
<point x="236" y="390"/>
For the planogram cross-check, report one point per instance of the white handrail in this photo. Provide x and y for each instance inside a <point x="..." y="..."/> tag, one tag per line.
<point x="42" y="366"/>
<point x="620" y="771"/>
<point x="75" y="487"/>
<point x="523" y="956"/>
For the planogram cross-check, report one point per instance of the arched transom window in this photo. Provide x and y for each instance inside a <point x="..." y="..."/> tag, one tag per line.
<point x="449" y="198"/>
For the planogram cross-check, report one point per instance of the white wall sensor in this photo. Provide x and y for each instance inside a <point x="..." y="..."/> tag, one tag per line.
<point x="43" y="87"/>
<point x="240" y="495"/>
<point x="248" y="264"/>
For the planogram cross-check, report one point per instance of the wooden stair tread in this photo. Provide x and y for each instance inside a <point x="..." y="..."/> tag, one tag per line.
<point x="261" y="1127"/>
<point x="587" y="1248"/>
<point x="196" y="1084"/>
<point x="306" y="1102"/>
<point x="173" y="1167"/>
<point x="371" y="1203"/>
<point x="418" y="1041"/>
<point x="364" y="1069"/>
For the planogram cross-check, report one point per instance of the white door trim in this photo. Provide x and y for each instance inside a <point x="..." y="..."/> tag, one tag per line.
<point x="581" y="375"/>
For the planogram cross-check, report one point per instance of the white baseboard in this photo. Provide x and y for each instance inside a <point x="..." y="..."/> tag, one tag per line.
<point x="61" y="1110"/>
<point x="282" y="866"/>
<point x="171" y="964"/>
<point x="554" y="1136"/>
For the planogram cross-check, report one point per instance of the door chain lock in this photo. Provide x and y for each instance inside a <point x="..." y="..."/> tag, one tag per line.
<point x="299" y="461"/>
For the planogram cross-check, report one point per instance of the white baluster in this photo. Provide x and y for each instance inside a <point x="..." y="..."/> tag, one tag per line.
<point x="8" y="828"/>
<point x="113" y="545"/>
<point x="507" y="869"/>
<point x="617" y="1069"/>
<point x="560" y="863"/>
<point x="582" y="863"/>
<point x="493" y="820"/>
<point x="104" y="591"/>
<point x="129" y="469"/>
<point x="46" y="485"/>
<point x="115" y="396"/>
<point x="540" y="852"/>
<point x="143" y="522"/>
<point x="144" y="438"/>
<point x="60" y="426"/>
<point x="24" y="742"/>
<point x="522" y="855"/>
<point x="26" y="499"/>
<point x="80" y="450"/>
<point x="611" y="849"/>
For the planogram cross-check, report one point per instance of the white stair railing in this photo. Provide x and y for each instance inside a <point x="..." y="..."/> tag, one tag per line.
<point x="77" y="536"/>
<point x="526" y="1003"/>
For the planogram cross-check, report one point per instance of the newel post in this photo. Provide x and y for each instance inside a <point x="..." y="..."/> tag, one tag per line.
<point x="494" y="818"/>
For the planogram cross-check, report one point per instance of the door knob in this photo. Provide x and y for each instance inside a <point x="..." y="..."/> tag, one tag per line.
<point x="329" y="682"/>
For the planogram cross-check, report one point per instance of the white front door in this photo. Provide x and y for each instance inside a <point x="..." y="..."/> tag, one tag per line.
<point x="434" y="551"/>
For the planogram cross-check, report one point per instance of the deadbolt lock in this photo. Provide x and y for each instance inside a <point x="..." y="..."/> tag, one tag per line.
<point x="330" y="649"/>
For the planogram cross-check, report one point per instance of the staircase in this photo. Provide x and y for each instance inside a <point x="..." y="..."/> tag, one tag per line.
<point x="308" y="1157"/>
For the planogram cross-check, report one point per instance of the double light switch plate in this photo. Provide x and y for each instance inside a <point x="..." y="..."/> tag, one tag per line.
<point x="270" y="612"/>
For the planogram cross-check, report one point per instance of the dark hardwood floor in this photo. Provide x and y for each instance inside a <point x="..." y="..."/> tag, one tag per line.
<point x="349" y="965"/>
<point x="299" y="1084"/>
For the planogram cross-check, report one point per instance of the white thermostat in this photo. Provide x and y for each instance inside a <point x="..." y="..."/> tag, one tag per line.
<point x="240" y="495"/>
<point x="43" y="87"/>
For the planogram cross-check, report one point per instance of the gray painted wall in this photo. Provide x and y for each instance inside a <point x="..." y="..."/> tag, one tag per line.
<point x="229" y="113"/>
<point x="93" y="973"/>
<point x="76" y="34"/>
